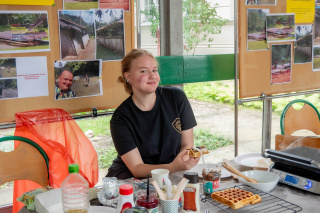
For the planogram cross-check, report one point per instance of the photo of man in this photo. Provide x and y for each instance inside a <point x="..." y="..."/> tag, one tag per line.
<point x="77" y="79"/>
<point x="63" y="86"/>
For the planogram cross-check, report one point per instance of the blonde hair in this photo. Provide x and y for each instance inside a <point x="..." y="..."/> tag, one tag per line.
<point x="126" y="65"/>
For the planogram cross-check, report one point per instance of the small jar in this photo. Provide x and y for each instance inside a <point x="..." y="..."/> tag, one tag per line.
<point x="126" y="198"/>
<point x="151" y="203"/>
<point x="211" y="180"/>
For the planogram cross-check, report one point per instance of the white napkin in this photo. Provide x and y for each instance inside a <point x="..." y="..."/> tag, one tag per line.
<point x="50" y="201"/>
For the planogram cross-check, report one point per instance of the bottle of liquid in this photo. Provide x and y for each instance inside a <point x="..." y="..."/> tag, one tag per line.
<point x="191" y="193"/>
<point x="75" y="192"/>
<point x="126" y="198"/>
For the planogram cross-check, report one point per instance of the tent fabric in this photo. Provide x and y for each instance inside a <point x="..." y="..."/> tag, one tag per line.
<point x="63" y="141"/>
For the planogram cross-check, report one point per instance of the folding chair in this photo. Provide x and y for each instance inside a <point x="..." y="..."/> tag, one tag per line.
<point x="27" y="162"/>
<point x="292" y="120"/>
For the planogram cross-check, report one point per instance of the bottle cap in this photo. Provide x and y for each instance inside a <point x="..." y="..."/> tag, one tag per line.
<point x="191" y="176"/>
<point x="73" y="168"/>
<point x="125" y="189"/>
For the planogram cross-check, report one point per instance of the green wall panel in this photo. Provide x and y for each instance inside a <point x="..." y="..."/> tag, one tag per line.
<point x="196" y="68"/>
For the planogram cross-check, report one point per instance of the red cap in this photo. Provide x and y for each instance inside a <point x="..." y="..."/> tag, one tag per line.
<point x="126" y="189"/>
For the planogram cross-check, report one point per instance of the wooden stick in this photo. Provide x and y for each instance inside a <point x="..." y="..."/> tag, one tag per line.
<point x="160" y="192"/>
<point x="181" y="185"/>
<point x="235" y="171"/>
<point x="227" y="162"/>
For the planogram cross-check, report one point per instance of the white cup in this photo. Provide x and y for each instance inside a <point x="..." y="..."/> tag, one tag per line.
<point x="158" y="176"/>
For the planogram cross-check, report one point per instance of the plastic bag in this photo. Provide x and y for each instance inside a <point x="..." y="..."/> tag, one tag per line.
<point x="64" y="143"/>
<point x="28" y="197"/>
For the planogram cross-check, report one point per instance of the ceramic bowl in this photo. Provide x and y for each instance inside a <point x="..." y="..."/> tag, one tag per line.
<point x="266" y="180"/>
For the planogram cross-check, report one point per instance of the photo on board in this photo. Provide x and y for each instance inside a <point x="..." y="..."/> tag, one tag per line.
<point x="280" y="27"/>
<point x="316" y="58"/>
<point x="123" y="4"/>
<point x="24" y="31"/>
<point x="257" y="29"/>
<point x="77" y="36"/>
<point x="259" y="2"/>
<point x="80" y="4"/>
<point x="74" y="79"/>
<point x="8" y="68"/>
<point x="109" y="27"/>
<point x="8" y="88"/>
<point x="303" y="44"/>
<point x="280" y="63"/>
<point x="317" y="25"/>
<point x="317" y="1"/>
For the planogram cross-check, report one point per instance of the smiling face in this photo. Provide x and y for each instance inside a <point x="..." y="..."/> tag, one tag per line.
<point x="143" y="75"/>
<point x="65" y="80"/>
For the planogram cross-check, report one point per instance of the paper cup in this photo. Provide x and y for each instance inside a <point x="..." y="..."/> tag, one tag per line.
<point x="169" y="206"/>
<point x="158" y="175"/>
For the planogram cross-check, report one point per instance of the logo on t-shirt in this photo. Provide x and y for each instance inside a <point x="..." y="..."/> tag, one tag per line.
<point x="177" y="125"/>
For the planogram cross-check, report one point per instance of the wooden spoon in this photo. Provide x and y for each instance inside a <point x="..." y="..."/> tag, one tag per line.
<point x="227" y="162"/>
<point x="235" y="171"/>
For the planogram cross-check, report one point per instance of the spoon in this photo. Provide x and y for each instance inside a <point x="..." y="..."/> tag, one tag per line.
<point x="235" y="171"/>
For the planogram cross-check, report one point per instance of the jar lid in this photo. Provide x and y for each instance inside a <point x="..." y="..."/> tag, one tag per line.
<point x="125" y="189"/>
<point x="74" y="168"/>
<point x="191" y="176"/>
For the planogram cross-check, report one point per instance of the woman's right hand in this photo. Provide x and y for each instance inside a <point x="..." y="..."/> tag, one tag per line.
<point x="183" y="161"/>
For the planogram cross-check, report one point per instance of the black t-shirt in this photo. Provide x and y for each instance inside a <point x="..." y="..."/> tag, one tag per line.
<point x="156" y="133"/>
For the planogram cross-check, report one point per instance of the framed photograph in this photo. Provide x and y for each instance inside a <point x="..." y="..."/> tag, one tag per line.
<point x="303" y="44"/>
<point x="80" y="4"/>
<point x="260" y="2"/>
<point x="24" y="31"/>
<point x="316" y="58"/>
<point x="257" y="29"/>
<point x="74" y="79"/>
<point x="107" y="4"/>
<point x="109" y="27"/>
<point x="281" y="63"/>
<point x="77" y="36"/>
<point x="280" y="27"/>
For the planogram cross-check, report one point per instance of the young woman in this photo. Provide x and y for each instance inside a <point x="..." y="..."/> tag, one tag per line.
<point x="154" y="126"/>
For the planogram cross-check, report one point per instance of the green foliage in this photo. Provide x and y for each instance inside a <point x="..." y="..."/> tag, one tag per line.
<point x="80" y="5"/>
<point x="106" y="157"/>
<point x="223" y="92"/>
<point x="257" y="20"/>
<point x="100" y="125"/>
<point x="203" y="137"/>
<point x="316" y="63"/>
<point x="200" y="22"/>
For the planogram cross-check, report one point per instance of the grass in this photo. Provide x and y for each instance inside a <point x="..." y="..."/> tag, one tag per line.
<point x="257" y="45"/>
<point x="81" y="5"/>
<point x="29" y="48"/>
<point x="223" y="92"/>
<point x="316" y="63"/>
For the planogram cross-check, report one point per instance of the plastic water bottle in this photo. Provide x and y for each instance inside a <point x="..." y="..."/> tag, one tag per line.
<point x="75" y="192"/>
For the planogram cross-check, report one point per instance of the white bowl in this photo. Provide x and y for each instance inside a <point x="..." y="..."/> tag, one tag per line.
<point x="266" y="180"/>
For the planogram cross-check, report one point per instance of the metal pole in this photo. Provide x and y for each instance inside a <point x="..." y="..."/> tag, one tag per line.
<point x="266" y="123"/>
<point x="236" y="78"/>
<point x="138" y="18"/>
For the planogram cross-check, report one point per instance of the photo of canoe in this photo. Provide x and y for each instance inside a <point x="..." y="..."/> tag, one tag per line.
<point x="23" y="32"/>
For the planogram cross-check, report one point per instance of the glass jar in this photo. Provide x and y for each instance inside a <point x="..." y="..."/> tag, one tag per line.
<point x="211" y="180"/>
<point x="151" y="203"/>
<point x="109" y="194"/>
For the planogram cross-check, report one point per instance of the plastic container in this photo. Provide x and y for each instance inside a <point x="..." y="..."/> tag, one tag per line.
<point x="151" y="203"/>
<point x="75" y="192"/>
<point x="191" y="193"/>
<point x="126" y="198"/>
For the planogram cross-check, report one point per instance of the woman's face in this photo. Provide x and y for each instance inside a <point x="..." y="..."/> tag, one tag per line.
<point x="143" y="75"/>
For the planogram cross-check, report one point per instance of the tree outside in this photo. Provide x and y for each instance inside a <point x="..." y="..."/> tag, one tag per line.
<point x="201" y="22"/>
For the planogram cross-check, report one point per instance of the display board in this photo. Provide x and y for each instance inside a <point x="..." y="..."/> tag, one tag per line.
<point x="256" y="67"/>
<point x="112" y="93"/>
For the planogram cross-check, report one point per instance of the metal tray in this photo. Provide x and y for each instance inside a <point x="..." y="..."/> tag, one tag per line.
<point x="269" y="203"/>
